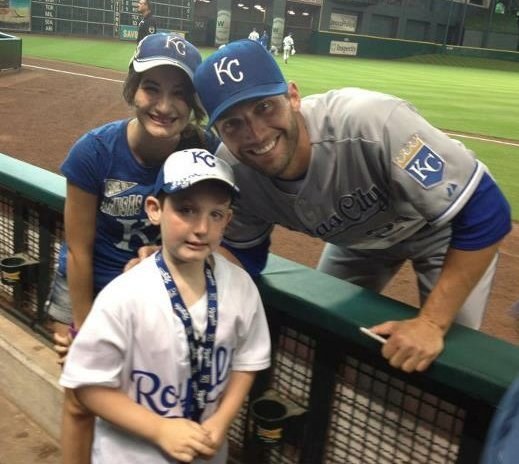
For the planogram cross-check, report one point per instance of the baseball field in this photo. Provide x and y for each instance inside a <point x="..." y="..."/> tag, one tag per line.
<point x="69" y="85"/>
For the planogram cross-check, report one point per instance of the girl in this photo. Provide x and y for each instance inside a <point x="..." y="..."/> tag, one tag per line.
<point x="110" y="171"/>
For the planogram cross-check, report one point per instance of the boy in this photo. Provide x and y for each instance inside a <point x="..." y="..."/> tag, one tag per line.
<point x="170" y="349"/>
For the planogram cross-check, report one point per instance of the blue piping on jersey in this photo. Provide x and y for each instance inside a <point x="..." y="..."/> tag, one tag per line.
<point x="444" y="216"/>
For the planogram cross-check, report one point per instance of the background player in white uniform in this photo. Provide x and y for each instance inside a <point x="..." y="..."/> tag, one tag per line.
<point x="254" y="35"/>
<point x="131" y="363"/>
<point x="367" y="174"/>
<point x="288" y="46"/>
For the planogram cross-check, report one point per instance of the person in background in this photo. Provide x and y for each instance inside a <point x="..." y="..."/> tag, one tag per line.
<point x="148" y="23"/>
<point x="170" y="349"/>
<point x="502" y="441"/>
<point x="254" y="34"/>
<point x="264" y="40"/>
<point x="288" y="47"/>
<point x="365" y="173"/>
<point x="110" y="171"/>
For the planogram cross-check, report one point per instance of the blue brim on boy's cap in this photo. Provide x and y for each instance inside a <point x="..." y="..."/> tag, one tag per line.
<point x="240" y="71"/>
<point x="186" y="168"/>
<point x="166" y="49"/>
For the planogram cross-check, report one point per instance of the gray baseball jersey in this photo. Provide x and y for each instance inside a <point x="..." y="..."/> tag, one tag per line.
<point x="379" y="173"/>
<point x="132" y="340"/>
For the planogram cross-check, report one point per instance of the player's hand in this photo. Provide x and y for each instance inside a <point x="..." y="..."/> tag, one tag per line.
<point x="413" y="344"/>
<point x="184" y="439"/>
<point x="61" y="346"/>
<point x="142" y="253"/>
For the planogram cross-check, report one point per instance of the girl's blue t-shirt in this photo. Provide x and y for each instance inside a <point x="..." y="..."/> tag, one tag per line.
<point x="101" y="163"/>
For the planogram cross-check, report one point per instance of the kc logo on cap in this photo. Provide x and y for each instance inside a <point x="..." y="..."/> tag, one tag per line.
<point x="178" y="43"/>
<point x="219" y="69"/>
<point x="166" y="49"/>
<point x="185" y="168"/>
<point x="242" y="70"/>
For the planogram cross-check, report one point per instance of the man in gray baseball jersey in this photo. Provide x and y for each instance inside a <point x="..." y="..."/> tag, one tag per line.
<point x="368" y="175"/>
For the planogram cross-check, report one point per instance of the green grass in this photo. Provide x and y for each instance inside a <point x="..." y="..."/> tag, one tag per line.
<point x="454" y="93"/>
<point x="503" y="162"/>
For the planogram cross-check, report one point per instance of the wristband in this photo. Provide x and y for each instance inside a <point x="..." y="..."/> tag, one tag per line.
<point x="72" y="331"/>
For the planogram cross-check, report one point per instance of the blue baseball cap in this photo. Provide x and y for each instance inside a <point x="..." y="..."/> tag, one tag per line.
<point x="185" y="168"/>
<point x="242" y="70"/>
<point x="166" y="49"/>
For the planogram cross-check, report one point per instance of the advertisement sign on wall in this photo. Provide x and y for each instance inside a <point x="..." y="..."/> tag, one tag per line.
<point x="343" y="22"/>
<point x="223" y="27"/>
<point x="15" y="15"/>
<point x="343" y="48"/>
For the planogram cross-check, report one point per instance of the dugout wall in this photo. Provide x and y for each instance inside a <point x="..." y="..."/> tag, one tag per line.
<point x="10" y="52"/>
<point x="354" y="407"/>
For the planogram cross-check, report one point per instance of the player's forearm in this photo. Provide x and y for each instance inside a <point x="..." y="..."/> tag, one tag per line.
<point x="461" y="272"/>
<point x="240" y="383"/>
<point x="118" y="408"/>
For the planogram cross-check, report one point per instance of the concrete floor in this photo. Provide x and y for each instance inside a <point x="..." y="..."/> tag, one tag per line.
<point x="30" y="398"/>
<point x="22" y="441"/>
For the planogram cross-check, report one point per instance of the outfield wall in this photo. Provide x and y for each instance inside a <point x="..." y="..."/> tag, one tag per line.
<point x="329" y="43"/>
<point x="350" y="405"/>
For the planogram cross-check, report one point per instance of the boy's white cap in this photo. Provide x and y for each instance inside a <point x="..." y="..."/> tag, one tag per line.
<point x="185" y="168"/>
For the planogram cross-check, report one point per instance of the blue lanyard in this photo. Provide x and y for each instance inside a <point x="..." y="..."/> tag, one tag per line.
<point x="200" y="384"/>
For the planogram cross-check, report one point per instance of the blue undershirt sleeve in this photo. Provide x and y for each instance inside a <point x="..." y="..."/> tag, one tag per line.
<point x="253" y="259"/>
<point x="484" y="220"/>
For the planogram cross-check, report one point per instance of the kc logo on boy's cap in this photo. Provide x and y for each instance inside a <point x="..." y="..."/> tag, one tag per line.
<point x="166" y="49"/>
<point x="242" y="70"/>
<point x="185" y="168"/>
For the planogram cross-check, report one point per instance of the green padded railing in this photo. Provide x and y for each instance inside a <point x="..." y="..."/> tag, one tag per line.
<point x="477" y="363"/>
<point x="32" y="182"/>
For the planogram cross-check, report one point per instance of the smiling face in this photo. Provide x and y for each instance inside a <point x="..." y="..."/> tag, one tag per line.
<point x="161" y="101"/>
<point x="191" y="221"/>
<point x="268" y="135"/>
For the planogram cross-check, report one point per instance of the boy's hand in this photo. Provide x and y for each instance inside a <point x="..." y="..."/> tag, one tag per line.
<point x="184" y="439"/>
<point x="61" y="346"/>
<point x="216" y="430"/>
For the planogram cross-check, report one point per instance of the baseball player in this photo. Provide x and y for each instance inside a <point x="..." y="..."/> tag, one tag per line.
<point x="110" y="170"/>
<point x="254" y="35"/>
<point x="288" y="47"/>
<point x="170" y="349"/>
<point x="367" y="174"/>
<point x="148" y="23"/>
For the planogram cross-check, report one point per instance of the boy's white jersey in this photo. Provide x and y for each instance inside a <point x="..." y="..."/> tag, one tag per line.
<point x="133" y="341"/>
